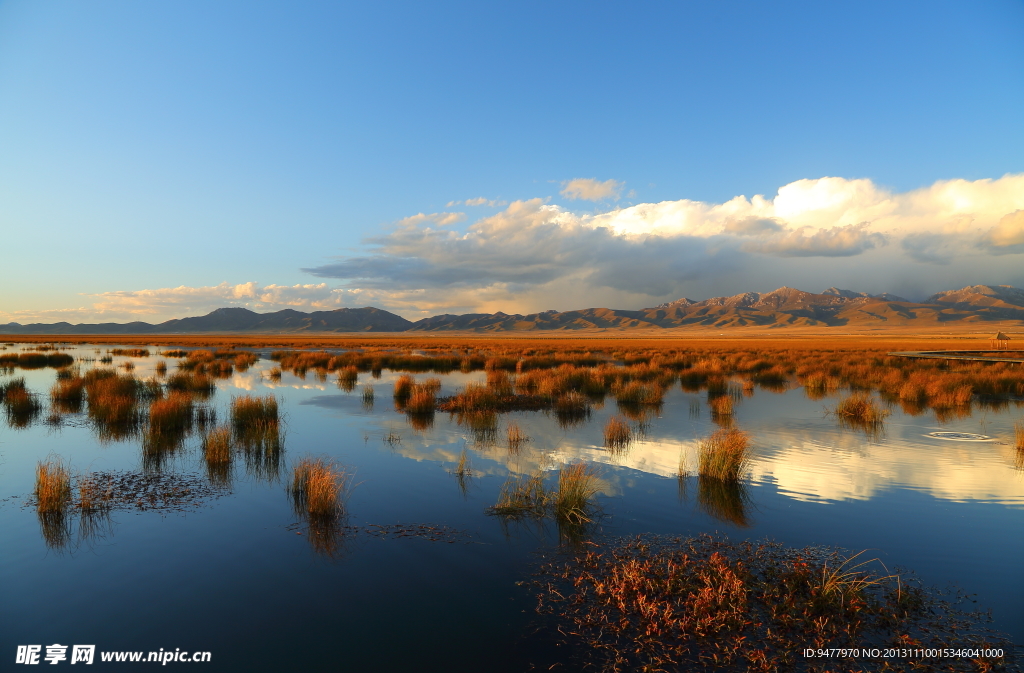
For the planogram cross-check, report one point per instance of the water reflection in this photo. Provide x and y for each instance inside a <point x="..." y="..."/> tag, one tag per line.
<point x="724" y="500"/>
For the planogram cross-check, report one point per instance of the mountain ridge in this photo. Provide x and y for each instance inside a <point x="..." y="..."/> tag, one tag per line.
<point x="778" y="309"/>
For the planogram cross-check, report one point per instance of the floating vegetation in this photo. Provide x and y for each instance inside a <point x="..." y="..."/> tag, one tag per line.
<point x="669" y="604"/>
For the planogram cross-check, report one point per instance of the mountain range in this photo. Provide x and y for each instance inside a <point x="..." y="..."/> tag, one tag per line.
<point x="784" y="307"/>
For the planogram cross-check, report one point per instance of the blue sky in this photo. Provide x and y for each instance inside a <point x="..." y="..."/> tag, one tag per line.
<point x="163" y="159"/>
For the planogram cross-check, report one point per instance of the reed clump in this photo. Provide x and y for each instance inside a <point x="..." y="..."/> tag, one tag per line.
<point x="573" y="499"/>
<point x="617" y="434"/>
<point x="403" y="389"/>
<point x="130" y="352"/>
<point x="53" y="485"/>
<point x="570" y="502"/>
<point x="724" y="455"/>
<point x="515" y="437"/>
<point x="860" y="410"/>
<point x="347" y="378"/>
<point x="1018" y="431"/>
<point x="318" y="488"/>
<point x="172" y="414"/>
<point x="254" y="416"/>
<point x="22" y="407"/>
<point x="522" y="496"/>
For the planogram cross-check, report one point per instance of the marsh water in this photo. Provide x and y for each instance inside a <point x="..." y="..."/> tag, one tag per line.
<point x="424" y="578"/>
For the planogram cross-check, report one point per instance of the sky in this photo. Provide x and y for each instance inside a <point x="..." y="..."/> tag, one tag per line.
<point x="161" y="160"/>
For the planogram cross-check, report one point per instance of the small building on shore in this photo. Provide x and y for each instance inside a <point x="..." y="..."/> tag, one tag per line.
<point x="1000" y="340"/>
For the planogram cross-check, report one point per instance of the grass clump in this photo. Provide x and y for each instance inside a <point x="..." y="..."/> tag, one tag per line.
<point x="20" y="405"/>
<point x="570" y="502"/>
<point x="522" y="496"/>
<point x="256" y="430"/>
<point x="573" y="499"/>
<point x="861" y="411"/>
<point x="617" y="434"/>
<point x="318" y="488"/>
<point x="53" y="485"/>
<point x="516" y="437"/>
<point x="724" y="455"/>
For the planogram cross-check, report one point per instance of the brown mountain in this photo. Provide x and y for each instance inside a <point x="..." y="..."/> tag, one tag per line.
<point x="784" y="307"/>
<point x="779" y="309"/>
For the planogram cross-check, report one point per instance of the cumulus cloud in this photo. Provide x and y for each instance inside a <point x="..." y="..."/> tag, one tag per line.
<point x="534" y="255"/>
<point x="589" y="189"/>
<point x="844" y="241"/>
<point x="842" y="230"/>
<point x="1007" y="237"/>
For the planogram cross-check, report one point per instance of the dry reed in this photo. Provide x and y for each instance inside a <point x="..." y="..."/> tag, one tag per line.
<point x="53" y="485"/>
<point x="319" y="488"/>
<point x="617" y="434"/>
<point x="724" y="455"/>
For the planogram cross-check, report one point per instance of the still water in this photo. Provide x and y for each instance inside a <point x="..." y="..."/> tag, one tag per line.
<point x="236" y="575"/>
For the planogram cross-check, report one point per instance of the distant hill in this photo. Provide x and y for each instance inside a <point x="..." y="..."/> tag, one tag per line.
<point x="237" y="320"/>
<point x="781" y="308"/>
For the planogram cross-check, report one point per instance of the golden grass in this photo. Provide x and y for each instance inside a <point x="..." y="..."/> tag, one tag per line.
<point x="1018" y="431"/>
<point x="53" y="485"/>
<point x="515" y="438"/>
<point x="724" y="455"/>
<point x="522" y="496"/>
<point x="172" y="414"/>
<point x="573" y="499"/>
<point x="319" y="487"/>
<point x="617" y="434"/>
<point x="721" y="405"/>
<point x="861" y="411"/>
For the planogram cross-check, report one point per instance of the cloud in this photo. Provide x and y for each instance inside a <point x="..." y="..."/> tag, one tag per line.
<point x="846" y="241"/>
<point x="1007" y="237"/>
<point x="533" y="255"/>
<point x="589" y="189"/>
<point x="844" y="232"/>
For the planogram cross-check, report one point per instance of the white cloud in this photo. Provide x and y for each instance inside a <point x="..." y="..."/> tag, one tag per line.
<point x="590" y="189"/>
<point x="534" y="256"/>
<point x="845" y="232"/>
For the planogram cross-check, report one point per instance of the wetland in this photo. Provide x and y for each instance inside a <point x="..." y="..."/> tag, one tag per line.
<point x="502" y="505"/>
